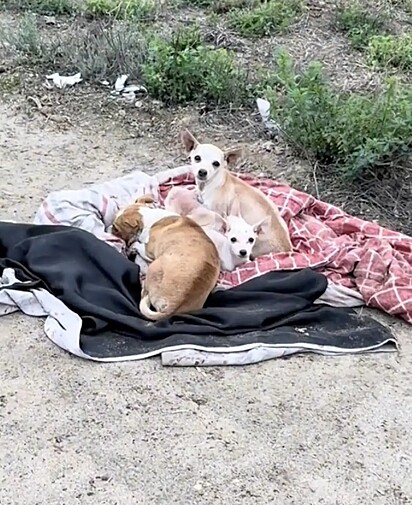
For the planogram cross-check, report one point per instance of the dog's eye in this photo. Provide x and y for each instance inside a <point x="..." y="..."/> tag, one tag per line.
<point x="197" y="158"/>
<point x="251" y="240"/>
<point x="233" y="239"/>
<point x="216" y="164"/>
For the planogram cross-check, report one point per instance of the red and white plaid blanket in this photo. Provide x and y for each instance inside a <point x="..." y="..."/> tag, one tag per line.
<point x="354" y="253"/>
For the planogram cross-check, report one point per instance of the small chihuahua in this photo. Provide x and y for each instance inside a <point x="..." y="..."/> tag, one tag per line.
<point x="221" y="192"/>
<point x="233" y="237"/>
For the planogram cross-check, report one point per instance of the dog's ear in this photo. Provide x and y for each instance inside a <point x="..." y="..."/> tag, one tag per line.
<point x="145" y="199"/>
<point x="221" y="223"/>
<point x="189" y="141"/>
<point x="233" y="156"/>
<point x="261" y="226"/>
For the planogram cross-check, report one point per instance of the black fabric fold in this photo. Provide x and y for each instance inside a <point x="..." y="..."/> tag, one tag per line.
<point x="103" y="287"/>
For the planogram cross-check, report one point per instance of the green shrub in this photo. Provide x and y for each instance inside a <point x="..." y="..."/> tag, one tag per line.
<point x="99" y="51"/>
<point x="384" y="50"/>
<point x="104" y="52"/>
<point x="268" y="18"/>
<point x="183" y="69"/>
<point x="359" y="24"/>
<point x="198" y="3"/>
<point x="353" y="132"/>
<point x="122" y="9"/>
<point x="220" y="6"/>
<point x="25" y="39"/>
<point x="47" y="7"/>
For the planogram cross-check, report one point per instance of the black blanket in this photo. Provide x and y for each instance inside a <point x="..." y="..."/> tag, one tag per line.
<point x="102" y="286"/>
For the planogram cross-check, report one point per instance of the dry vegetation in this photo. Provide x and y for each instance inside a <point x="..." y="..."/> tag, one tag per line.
<point x="337" y="76"/>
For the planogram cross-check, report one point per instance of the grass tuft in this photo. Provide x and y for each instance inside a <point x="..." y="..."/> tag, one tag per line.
<point x="26" y="40"/>
<point x="354" y="132"/>
<point x="391" y="50"/>
<point x="267" y="18"/>
<point x="122" y="9"/>
<point x="46" y="7"/>
<point x="359" y="24"/>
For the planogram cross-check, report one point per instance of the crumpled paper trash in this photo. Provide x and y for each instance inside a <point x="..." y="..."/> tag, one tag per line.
<point x="127" y="91"/>
<point x="263" y="106"/>
<point x="62" y="81"/>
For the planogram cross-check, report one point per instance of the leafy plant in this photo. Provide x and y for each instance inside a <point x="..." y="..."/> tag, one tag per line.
<point x="25" y="39"/>
<point x="359" y="24"/>
<point x="48" y="7"/>
<point x="384" y="50"/>
<point x="183" y="69"/>
<point x="122" y="9"/>
<point x="352" y="132"/>
<point x="221" y="6"/>
<point x="104" y="52"/>
<point x="267" y="18"/>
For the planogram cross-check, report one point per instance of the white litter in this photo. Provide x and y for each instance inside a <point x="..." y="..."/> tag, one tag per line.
<point x="63" y="81"/>
<point x="120" y="83"/>
<point x="264" y="111"/>
<point x="129" y="91"/>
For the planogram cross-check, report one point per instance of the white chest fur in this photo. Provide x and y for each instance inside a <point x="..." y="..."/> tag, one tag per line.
<point x="151" y="216"/>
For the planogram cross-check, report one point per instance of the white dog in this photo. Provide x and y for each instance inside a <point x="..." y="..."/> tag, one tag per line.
<point x="233" y="237"/>
<point x="220" y="191"/>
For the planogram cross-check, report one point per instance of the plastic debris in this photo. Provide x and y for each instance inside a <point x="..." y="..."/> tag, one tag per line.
<point x="264" y="111"/>
<point x="128" y="91"/>
<point x="120" y="83"/>
<point x="62" y="81"/>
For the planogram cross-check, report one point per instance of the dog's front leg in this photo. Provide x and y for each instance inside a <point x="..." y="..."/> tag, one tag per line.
<point x="141" y="258"/>
<point x="142" y="264"/>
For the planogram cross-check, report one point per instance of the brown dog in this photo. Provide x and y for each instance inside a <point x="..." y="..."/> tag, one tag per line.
<point x="184" y="263"/>
<point x="128" y="223"/>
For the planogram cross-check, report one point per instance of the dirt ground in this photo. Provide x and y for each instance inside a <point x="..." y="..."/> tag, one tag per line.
<point x="307" y="430"/>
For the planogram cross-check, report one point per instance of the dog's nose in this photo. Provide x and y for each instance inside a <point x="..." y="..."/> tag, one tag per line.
<point x="202" y="173"/>
<point x="242" y="253"/>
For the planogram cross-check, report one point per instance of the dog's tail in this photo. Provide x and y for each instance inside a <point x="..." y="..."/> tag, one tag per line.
<point x="153" y="315"/>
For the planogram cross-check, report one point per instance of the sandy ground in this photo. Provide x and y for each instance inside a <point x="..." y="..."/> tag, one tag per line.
<point x="308" y="430"/>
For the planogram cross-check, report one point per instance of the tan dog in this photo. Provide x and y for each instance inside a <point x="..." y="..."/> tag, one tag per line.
<point x="184" y="262"/>
<point x="220" y="191"/>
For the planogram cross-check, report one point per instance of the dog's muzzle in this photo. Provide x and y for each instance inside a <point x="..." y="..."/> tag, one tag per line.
<point x="202" y="174"/>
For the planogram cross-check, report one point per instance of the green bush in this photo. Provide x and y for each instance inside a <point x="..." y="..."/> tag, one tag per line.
<point x="384" y="50"/>
<point x="104" y="52"/>
<point x="47" y="7"/>
<point x="100" y="51"/>
<point x="359" y="24"/>
<point x="122" y="9"/>
<point x="353" y="132"/>
<point x="268" y="18"/>
<point x="221" y="6"/>
<point x="26" y="39"/>
<point x="183" y="69"/>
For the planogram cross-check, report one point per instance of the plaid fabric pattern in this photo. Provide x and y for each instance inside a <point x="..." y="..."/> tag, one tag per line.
<point x="357" y="254"/>
<point x="353" y="253"/>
